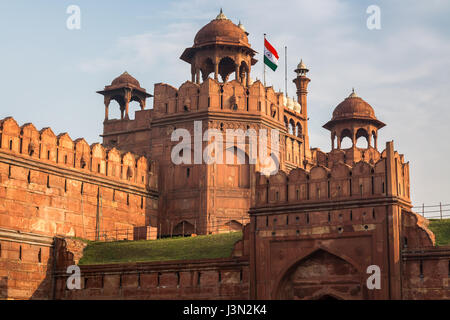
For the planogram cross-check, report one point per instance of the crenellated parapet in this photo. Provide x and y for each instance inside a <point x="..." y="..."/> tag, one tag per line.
<point x="61" y="151"/>
<point x="232" y="96"/>
<point x="338" y="176"/>
<point x="212" y="95"/>
<point x="347" y="156"/>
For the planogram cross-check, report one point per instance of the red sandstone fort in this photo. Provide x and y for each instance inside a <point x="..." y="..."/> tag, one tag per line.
<point x="310" y="230"/>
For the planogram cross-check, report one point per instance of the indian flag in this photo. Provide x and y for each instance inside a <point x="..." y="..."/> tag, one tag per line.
<point x="270" y="56"/>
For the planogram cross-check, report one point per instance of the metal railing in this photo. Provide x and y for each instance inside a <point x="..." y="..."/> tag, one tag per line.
<point x="438" y="211"/>
<point x="170" y="229"/>
<point x="118" y="234"/>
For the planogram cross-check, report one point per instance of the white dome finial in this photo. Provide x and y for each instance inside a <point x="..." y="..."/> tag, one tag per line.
<point x="353" y="94"/>
<point x="221" y="16"/>
<point x="240" y="25"/>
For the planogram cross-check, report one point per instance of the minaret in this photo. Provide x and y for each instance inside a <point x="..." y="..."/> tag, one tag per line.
<point x="301" y="82"/>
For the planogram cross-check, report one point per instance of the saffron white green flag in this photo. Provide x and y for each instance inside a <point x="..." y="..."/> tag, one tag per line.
<point x="270" y="56"/>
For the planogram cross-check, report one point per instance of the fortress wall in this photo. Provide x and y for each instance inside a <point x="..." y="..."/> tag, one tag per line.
<point x="426" y="274"/>
<point x="334" y="179"/>
<point x="188" y="279"/>
<point x="26" y="262"/>
<point x="129" y="135"/>
<point x="55" y="186"/>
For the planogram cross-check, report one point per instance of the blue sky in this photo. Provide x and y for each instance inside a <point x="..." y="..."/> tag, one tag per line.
<point x="50" y="74"/>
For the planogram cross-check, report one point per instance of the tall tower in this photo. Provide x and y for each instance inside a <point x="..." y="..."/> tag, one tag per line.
<point x="301" y="82"/>
<point x="222" y="48"/>
<point x="197" y="196"/>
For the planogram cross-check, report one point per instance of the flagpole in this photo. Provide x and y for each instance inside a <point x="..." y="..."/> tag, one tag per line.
<point x="264" y="76"/>
<point x="285" y="71"/>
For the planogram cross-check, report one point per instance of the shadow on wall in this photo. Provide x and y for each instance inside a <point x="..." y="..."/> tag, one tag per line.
<point x="64" y="253"/>
<point x="3" y="288"/>
<point x="44" y="290"/>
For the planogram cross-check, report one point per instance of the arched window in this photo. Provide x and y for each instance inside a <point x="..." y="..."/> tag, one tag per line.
<point x="298" y="129"/>
<point x="133" y="106"/>
<point x="184" y="228"/>
<point x="346" y="139"/>
<point x="362" y="138"/>
<point x="226" y="66"/>
<point x="116" y="107"/>
<point x="291" y="127"/>
<point x="207" y="68"/>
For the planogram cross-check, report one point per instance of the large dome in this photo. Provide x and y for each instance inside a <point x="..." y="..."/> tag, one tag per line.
<point x="221" y="31"/>
<point x="125" y="78"/>
<point x="353" y="107"/>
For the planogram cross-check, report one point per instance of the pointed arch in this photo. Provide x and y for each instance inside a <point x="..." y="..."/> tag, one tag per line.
<point x="298" y="130"/>
<point x="226" y="67"/>
<point x="184" y="228"/>
<point x="362" y="133"/>
<point x="312" y="270"/>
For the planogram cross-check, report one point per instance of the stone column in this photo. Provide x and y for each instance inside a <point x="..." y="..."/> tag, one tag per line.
<point x="127" y="98"/>
<point x="192" y="73"/>
<point x="216" y="71"/>
<point x="198" y="76"/>
<point x="106" y="109"/>
<point x="353" y="138"/>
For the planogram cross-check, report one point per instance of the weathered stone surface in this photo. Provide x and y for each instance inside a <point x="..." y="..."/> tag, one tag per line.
<point x="311" y="230"/>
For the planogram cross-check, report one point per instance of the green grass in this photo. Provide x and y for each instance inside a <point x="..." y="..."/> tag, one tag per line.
<point x="441" y="229"/>
<point x="200" y="247"/>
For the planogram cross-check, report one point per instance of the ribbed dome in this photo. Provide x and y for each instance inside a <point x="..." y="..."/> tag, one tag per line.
<point x="353" y="107"/>
<point x="221" y="31"/>
<point x="125" y="78"/>
<point x="353" y="110"/>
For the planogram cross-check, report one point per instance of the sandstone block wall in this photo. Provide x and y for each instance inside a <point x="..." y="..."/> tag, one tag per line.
<point x="54" y="186"/>
<point x="426" y="274"/>
<point x="188" y="279"/>
<point x="26" y="262"/>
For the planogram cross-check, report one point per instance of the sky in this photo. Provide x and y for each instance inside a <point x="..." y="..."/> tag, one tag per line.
<point x="50" y="74"/>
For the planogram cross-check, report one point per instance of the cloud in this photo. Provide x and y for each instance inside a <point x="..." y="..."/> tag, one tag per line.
<point x="147" y="52"/>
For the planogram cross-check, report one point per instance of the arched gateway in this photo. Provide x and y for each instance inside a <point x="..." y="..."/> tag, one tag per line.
<point x="320" y="275"/>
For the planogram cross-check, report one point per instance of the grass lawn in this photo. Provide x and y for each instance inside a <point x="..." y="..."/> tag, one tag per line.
<point x="441" y="229"/>
<point x="200" y="247"/>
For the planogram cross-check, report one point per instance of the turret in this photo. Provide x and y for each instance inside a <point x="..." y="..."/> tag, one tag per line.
<point x="302" y="81"/>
